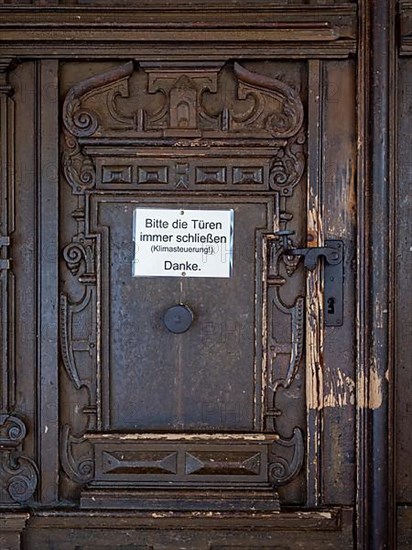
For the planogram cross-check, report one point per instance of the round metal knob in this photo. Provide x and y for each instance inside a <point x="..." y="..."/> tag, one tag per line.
<point x="178" y="319"/>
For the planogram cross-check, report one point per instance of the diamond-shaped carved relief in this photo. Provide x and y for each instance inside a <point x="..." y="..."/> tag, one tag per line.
<point x="204" y="463"/>
<point x="139" y="462"/>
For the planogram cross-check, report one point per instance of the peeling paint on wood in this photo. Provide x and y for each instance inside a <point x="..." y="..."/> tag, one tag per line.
<point x="314" y="341"/>
<point x="188" y="436"/>
<point x="341" y="391"/>
<point x="375" y="387"/>
<point x="370" y="394"/>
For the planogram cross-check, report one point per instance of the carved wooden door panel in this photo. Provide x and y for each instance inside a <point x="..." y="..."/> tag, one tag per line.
<point x="239" y="429"/>
<point x="158" y="413"/>
<point x="217" y="417"/>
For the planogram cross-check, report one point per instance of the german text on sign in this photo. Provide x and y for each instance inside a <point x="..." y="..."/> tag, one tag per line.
<point x="183" y="243"/>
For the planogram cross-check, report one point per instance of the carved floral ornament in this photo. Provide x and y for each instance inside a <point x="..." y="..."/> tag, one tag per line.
<point x="177" y="107"/>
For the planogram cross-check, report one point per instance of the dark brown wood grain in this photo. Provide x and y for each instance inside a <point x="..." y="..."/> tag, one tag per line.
<point x="259" y="427"/>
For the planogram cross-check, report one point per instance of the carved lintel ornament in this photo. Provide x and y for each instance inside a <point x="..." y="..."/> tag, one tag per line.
<point x="80" y="120"/>
<point x="278" y="108"/>
<point x="181" y="108"/>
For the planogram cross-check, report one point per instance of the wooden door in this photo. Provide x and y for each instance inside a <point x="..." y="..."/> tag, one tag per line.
<point x="225" y="144"/>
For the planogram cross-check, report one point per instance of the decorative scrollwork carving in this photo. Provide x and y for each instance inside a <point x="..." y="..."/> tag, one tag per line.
<point x="78" y="168"/>
<point x="12" y="431"/>
<point x="18" y="473"/>
<point x="288" y="166"/>
<point x="21" y="476"/>
<point x="66" y="340"/>
<point x="282" y="470"/>
<point x="296" y="313"/>
<point x="79" y="120"/>
<point x="80" y="250"/>
<point x="175" y="100"/>
<point x="80" y="469"/>
<point x="283" y="122"/>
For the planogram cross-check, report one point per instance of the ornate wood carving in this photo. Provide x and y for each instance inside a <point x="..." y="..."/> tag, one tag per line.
<point x="282" y="470"/>
<point x="168" y="105"/>
<point x="18" y="474"/>
<point x="177" y="128"/>
<point x="177" y="101"/>
<point x="78" y="467"/>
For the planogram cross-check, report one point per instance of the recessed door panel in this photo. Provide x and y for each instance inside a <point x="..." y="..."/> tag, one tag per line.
<point x="204" y="378"/>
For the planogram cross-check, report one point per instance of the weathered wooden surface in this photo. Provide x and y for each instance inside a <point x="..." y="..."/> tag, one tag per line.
<point x="403" y="380"/>
<point x="157" y="531"/>
<point x="264" y="397"/>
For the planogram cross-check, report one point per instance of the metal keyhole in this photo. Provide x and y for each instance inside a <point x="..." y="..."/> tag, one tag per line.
<point x="331" y="306"/>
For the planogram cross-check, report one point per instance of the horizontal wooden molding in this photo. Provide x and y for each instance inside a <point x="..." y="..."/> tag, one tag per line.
<point x="149" y="29"/>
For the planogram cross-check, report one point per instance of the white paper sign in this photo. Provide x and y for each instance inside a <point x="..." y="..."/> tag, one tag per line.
<point x="182" y="243"/>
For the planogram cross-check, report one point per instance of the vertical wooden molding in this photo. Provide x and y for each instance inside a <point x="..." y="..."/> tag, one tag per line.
<point x="363" y="178"/>
<point x="314" y="286"/>
<point x="375" y="376"/>
<point x="47" y="238"/>
<point x="18" y="473"/>
<point x="7" y="365"/>
<point x="379" y="374"/>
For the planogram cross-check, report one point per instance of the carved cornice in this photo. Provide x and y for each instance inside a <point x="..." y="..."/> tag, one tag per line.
<point x="151" y="28"/>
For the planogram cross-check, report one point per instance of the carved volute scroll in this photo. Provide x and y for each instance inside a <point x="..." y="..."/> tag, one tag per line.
<point x="175" y="128"/>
